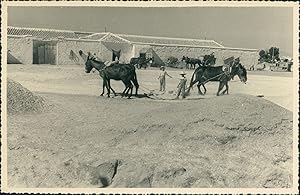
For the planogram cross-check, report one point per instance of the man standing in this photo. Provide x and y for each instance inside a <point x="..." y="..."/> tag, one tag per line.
<point x="162" y="78"/>
<point x="181" y="86"/>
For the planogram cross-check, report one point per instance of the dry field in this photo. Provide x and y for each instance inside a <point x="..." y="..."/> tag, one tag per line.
<point x="78" y="139"/>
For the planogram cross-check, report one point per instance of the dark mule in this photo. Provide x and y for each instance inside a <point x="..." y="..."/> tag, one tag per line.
<point x="124" y="72"/>
<point x="205" y="74"/>
<point x="140" y="62"/>
<point x="85" y="57"/>
<point x="191" y="62"/>
<point x="209" y="60"/>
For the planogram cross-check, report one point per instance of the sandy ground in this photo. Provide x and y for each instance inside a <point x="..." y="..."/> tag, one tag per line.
<point x="83" y="140"/>
<point x="73" y="80"/>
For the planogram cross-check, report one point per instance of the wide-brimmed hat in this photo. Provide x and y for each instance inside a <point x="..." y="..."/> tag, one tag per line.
<point x="182" y="73"/>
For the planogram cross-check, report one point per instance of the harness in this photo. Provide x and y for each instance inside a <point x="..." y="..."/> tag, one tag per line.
<point x="212" y="78"/>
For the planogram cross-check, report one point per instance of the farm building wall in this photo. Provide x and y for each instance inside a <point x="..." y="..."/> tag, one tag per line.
<point x="126" y="50"/>
<point x="21" y="48"/>
<point x="68" y="50"/>
<point x="102" y="50"/>
<point x="247" y="57"/>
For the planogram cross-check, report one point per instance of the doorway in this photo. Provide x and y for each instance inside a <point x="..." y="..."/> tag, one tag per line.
<point x="116" y="54"/>
<point x="44" y="52"/>
<point x="143" y="55"/>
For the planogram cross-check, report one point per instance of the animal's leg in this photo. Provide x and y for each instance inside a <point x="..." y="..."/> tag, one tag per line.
<point x="199" y="90"/>
<point x="123" y="93"/>
<point x="136" y="84"/>
<point x="226" y="89"/>
<point x="127" y="92"/>
<point x="103" y="87"/>
<point x="128" y="87"/>
<point x="108" y="82"/>
<point x="221" y="85"/>
<point x="191" y="85"/>
<point x="204" y="89"/>
<point x="131" y="89"/>
<point x="108" y="88"/>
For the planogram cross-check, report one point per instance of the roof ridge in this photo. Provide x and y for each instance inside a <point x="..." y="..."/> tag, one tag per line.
<point x="120" y="37"/>
<point x="173" y="38"/>
<point x="95" y="34"/>
<point x="104" y="36"/>
<point x="218" y="43"/>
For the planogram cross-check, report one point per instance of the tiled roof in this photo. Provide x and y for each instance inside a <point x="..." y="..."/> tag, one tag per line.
<point x="169" y="41"/>
<point x="95" y="36"/>
<point x="41" y="33"/>
<point x="83" y="34"/>
<point x="114" y="39"/>
<point x="110" y="37"/>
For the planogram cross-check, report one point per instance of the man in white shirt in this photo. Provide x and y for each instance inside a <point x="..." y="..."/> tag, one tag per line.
<point x="162" y="78"/>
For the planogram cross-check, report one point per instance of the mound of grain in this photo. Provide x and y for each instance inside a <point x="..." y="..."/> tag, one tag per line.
<point x="234" y="141"/>
<point x="227" y="141"/>
<point x="20" y="99"/>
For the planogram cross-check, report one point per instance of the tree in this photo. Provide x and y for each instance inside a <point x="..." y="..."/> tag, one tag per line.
<point x="269" y="55"/>
<point x="262" y="55"/>
<point x="274" y="53"/>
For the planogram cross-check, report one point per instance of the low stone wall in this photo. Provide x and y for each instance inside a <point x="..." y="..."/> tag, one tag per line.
<point x="21" y="48"/>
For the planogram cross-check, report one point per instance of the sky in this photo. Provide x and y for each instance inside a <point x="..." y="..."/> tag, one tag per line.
<point x="252" y="27"/>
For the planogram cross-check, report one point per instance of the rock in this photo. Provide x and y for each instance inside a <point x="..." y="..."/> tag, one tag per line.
<point x="100" y="175"/>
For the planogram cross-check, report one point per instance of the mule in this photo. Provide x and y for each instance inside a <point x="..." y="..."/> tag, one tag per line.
<point x="204" y="74"/>
<point x="191" y="62"/>
<point x="85" y="57"/>
<point x="209" y="60"/>
<point x="140" y="62"/>
<point x="120" y="72"/>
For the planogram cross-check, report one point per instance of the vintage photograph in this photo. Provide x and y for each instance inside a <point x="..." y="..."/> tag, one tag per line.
<point x="149" y="96"/>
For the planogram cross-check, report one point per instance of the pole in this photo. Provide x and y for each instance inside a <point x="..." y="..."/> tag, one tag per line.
<point x="273" y="54"/>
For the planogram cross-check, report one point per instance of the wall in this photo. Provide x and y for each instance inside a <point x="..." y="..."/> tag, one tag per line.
<point x="64" y="48"/>
<point x="102" y="50"/>
<point x="126" y="50"/>
<point x="21" y="48"/>
<point x="247" y="57"/>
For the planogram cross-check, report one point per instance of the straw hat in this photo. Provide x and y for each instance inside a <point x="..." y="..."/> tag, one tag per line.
<point x="182" y="73"/>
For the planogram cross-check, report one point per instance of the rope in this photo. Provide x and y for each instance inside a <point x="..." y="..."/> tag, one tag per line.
<point x="148" y="90"/>
<point x="211" y="78"/>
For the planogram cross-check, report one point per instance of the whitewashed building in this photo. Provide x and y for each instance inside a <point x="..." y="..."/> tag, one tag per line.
<point x="49" y="46"/>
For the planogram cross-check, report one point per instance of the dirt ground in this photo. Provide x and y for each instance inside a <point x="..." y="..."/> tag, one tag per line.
<point x="83" y="140"/>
